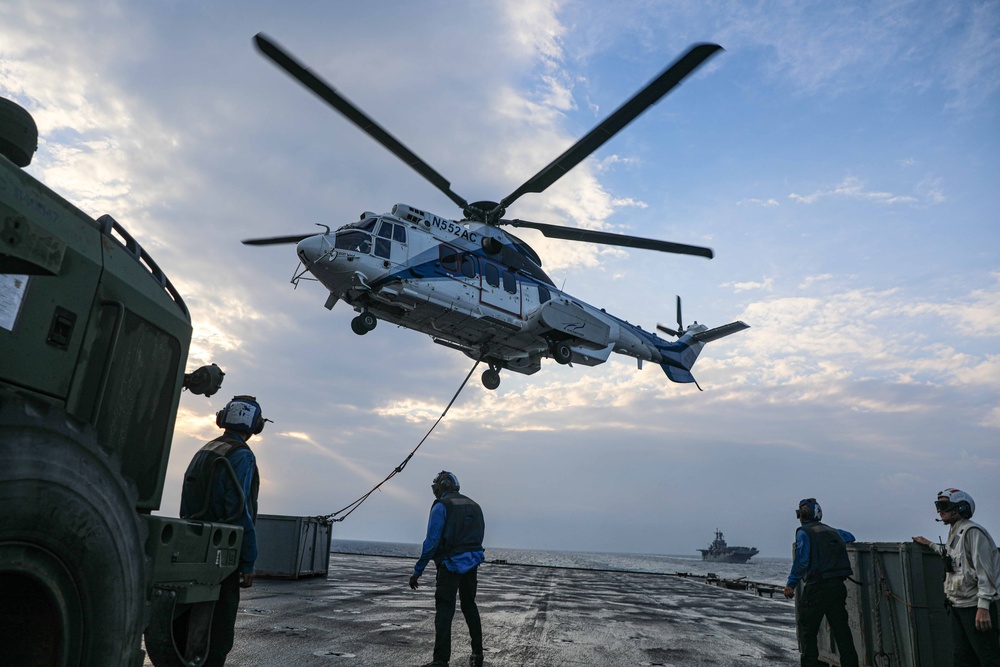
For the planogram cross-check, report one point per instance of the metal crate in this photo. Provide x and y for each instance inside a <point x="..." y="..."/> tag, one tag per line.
<point x="290" y="547"/>
<point x="897" y="613"/>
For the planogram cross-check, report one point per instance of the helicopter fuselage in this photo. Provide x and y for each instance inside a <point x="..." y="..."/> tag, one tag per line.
<point x="434" y="275"/>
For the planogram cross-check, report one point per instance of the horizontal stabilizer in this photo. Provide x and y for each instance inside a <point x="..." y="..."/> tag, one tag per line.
<point x="717" y="333"/>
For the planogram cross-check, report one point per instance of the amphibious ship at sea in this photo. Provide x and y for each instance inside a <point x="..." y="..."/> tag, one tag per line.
<point x="720" y="552"/>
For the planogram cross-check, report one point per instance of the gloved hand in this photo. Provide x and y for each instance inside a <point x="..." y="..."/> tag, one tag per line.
<point x="414" y="581"/>
<point x="789" y="592"/>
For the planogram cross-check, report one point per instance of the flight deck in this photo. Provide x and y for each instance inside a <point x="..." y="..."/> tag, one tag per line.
<point x="363" y="613"/>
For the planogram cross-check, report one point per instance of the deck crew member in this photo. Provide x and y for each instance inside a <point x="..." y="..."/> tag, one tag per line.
<point x="454" y="542"/>
<point x="821" y="564"/>
<point x="210" y="493"/>
<point x="972" y="570"/>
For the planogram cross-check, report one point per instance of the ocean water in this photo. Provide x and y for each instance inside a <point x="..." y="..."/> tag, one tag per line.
<point x="763" y="570"/>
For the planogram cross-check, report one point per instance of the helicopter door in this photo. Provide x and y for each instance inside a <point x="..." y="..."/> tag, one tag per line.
<point x="501" y="289"/>
<point x="390" y="242"/>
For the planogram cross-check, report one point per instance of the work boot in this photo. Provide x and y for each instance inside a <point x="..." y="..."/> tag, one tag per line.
<point x="476" y="660"/>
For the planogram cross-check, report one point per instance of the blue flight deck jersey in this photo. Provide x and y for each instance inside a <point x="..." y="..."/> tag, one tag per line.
<point x="459" y="563"/>
<point x="800" y="566"/>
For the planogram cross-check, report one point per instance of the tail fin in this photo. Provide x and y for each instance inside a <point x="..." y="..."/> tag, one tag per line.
<point x="679" y="357"/>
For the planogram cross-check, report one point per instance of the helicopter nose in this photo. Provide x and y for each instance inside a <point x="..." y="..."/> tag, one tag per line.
<point x="312" y="248"/>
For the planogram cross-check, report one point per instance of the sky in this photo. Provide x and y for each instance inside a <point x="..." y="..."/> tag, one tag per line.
<point x="840" y="158"/>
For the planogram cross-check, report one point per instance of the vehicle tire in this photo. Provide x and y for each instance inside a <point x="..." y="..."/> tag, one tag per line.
<point x="491" y="379"/>
<point x="357" y="327"/>
<point x="368" y="321"/>
<point x="72" y="562"/>
<point x="18" y="133"/>
<point x="562" y="352"/>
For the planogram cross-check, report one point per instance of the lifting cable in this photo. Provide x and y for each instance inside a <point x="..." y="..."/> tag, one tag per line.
<point x="333" y="518"/>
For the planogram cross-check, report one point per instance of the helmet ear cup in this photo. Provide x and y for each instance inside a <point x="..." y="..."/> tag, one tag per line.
<point x="258" y="421"/>
<point x="445" y="482"/>
<point x="808" y="510"/>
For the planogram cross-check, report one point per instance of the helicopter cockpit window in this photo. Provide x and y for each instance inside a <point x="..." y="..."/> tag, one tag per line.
<point x="356" y="241"/>
<point x="368" y="224"/>
<point x="468" y="266"/>
<point x="385" y="231"/>
<point x="450" y="259"/>
<point x="509" y="283"/>
<point x="399" y="234"/>
<point x="492" y="275"/>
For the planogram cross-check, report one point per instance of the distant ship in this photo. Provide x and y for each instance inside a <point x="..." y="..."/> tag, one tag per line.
<point x="720" y="552"/>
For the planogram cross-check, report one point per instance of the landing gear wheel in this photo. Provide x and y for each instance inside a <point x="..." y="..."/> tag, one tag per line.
<point x="491" y="379"/>
<point x="72" y="563"/>
<point x="363" y="323"/>
<point x="562" y="353"/>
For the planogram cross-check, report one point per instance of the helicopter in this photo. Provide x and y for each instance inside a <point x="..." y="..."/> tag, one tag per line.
<point x="470" y="284"/>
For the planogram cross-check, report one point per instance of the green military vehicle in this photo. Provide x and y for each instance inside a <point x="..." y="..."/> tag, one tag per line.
<point x="93" y="345"/>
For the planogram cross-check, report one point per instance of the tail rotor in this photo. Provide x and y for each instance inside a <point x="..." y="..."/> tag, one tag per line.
<point x="680" y="326"/>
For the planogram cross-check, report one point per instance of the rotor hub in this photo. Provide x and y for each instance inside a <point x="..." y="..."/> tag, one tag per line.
<point x="488" y="212"/>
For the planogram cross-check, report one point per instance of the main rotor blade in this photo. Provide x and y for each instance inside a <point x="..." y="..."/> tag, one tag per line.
<point x="276" y="240"/>
<point x="608" y="238"/>
<point x="328" y="94"/>
<point x="624" y="115"/>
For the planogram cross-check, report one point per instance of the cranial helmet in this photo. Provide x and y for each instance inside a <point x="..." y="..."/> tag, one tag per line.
<point x="809" y="510"/>
<point x="445" y="482"/>
<point x="241" y="414"/>
<point x="953" y="499"/>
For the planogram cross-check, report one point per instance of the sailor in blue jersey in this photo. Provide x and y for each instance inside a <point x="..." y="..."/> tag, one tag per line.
<point x="822" y="565"/>
<point x="454" y="542"/>
<point x="210" y="494"/>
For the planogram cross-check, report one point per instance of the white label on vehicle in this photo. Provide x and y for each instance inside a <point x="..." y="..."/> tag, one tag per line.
<point x="12" y="289"/>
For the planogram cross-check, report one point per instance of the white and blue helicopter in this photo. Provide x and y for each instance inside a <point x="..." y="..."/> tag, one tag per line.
<point x="473" y="286"/>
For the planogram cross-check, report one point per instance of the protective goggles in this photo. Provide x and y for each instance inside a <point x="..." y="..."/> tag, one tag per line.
<point x="944" y="505"/>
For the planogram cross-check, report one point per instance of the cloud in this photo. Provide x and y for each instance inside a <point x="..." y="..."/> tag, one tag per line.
<point x="809" y="281"/>
<point x="853" y="188"/>
<point x="766" y="203"/>
<point x="739" y="287"/>
<point x="977" y="314"/>
<point x="614" y="160"/>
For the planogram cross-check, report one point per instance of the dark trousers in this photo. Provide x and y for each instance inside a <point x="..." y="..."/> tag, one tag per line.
<point x="448" y="585"/>
<point x="973" y="647"/>
<point x="224" y="621"/>
<point x="825" y="598"/>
